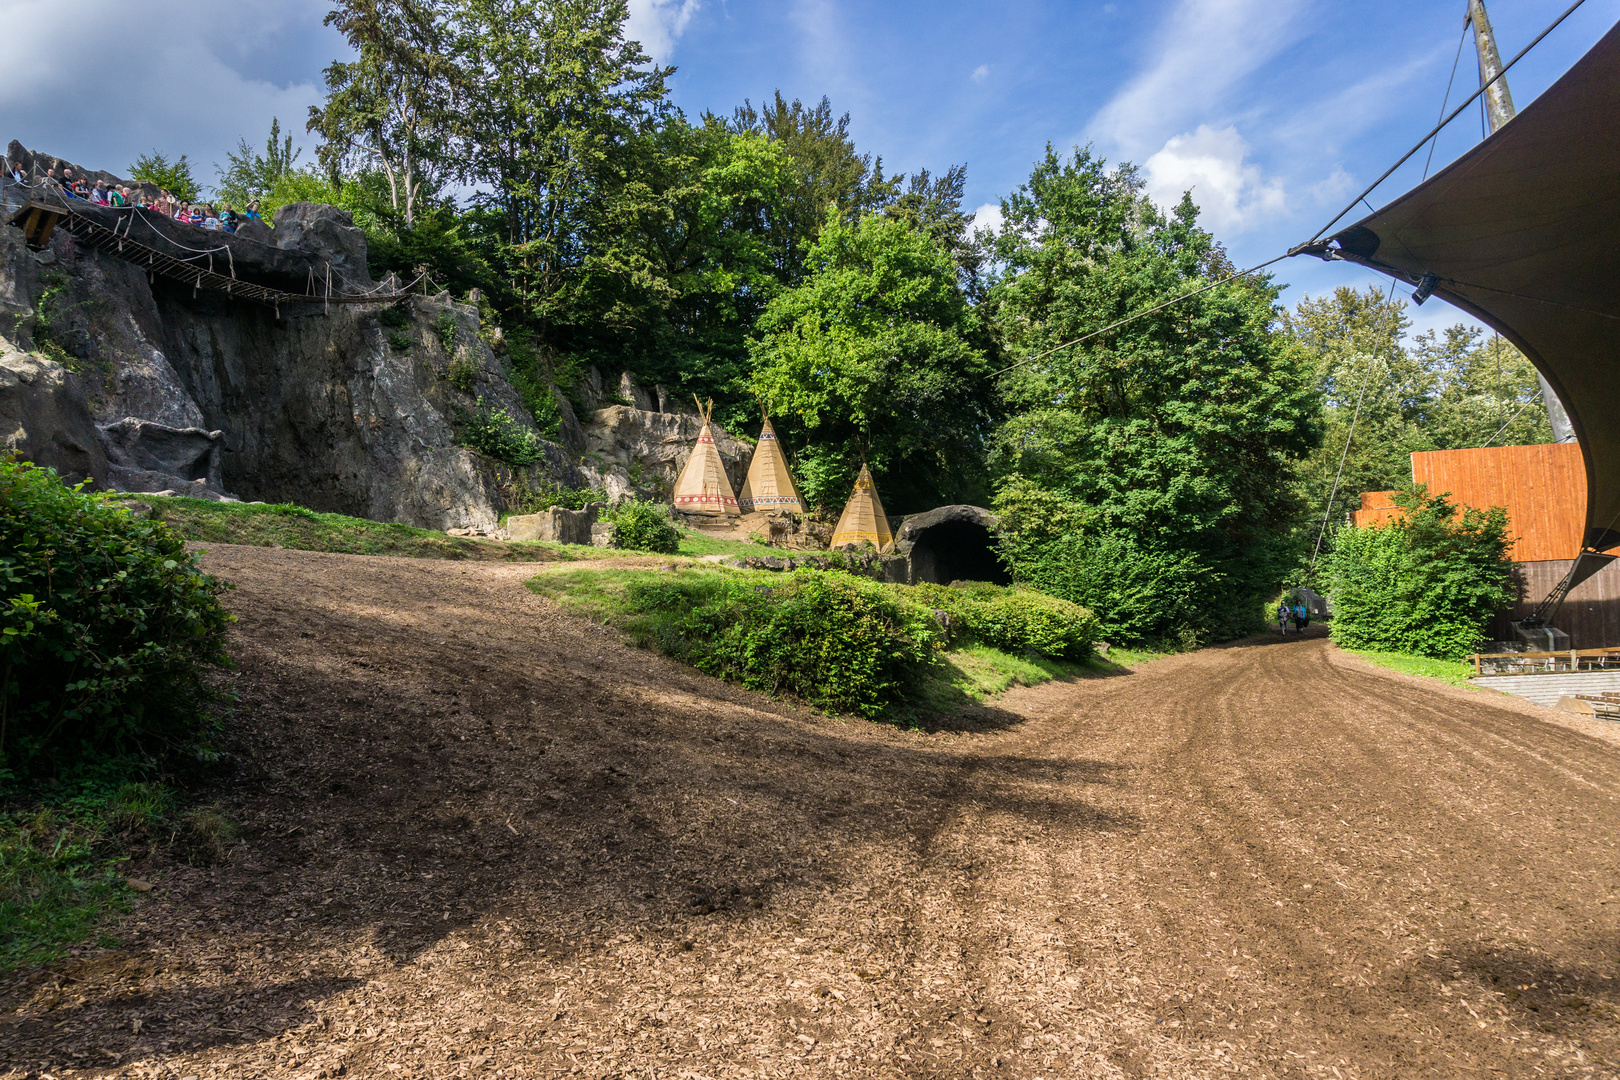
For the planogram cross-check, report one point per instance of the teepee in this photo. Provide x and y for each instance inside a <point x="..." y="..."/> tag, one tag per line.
<point x="863" y="520"/>
<point x="703" y="487"/>
<point x="769" y="485"/>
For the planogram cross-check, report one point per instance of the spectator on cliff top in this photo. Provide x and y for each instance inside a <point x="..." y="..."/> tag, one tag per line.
<point x="228" y="219"/>
<point x="163" y="204"/>
<point x="252" y="211"/>
<point x="118" y="196"/>
<point x="98" y="194"/>
<point x="14" y="172"/>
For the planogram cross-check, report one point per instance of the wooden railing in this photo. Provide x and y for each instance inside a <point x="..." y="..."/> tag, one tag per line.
<point x="1539" y="663"/>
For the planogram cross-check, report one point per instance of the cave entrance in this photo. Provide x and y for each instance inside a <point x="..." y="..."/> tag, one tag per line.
<point x="956" y="551"/>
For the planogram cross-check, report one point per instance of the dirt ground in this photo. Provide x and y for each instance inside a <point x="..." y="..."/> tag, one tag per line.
<point x="481" y="838"/>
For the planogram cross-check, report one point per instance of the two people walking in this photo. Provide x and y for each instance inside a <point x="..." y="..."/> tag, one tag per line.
<point x="1298" y="614"/>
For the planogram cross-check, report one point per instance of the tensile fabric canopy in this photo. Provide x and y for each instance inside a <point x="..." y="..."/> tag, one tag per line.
<point x="1523" y="232"/>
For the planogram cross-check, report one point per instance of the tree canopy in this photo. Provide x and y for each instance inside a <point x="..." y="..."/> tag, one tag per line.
<point x="1169" y="473"/>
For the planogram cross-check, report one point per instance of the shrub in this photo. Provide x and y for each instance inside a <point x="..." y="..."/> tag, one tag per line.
<point x="1139" y="593"/>
<point x="462" y="373"/>
<point x="1013" y="620"/>
<point x="1424" y="584"/>
<point x="494" y="432"/>
<point x="445" y="327"/>
<point x="644" y="526"/>
<point x="836" y="641"/>
<point x="107" y="627"/>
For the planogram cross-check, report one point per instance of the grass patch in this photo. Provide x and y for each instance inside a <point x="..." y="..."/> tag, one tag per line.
<point x="58" y="882"/>
<point x="982" y="672"/>
<point x="63" y="850"/>
<point x="1454" y="672"/>
<point x="286" y="526"/>
<point x="965" y="674"/>
<point x="698" y="544"/>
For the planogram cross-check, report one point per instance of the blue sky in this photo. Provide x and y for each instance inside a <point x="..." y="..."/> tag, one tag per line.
<point x="1275" y="112"/>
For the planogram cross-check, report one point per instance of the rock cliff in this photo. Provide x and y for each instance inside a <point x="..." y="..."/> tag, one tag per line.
<point x="143" y="383"/>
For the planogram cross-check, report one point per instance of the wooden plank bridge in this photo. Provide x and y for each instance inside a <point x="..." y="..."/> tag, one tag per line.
<point x="213" y="268"/>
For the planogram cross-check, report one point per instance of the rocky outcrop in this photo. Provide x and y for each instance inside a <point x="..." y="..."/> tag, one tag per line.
<point x="556" y="525"/>
<point x="45" y="419"/>
<point x="630" y="452"/>
<point x="951" y="543"/>
<point x="357" y="409"/>
<point x="329" y="231"/>
<point x="148" y="457"/>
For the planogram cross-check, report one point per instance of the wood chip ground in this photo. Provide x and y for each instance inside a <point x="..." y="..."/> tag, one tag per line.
<point x="484" y="839"/>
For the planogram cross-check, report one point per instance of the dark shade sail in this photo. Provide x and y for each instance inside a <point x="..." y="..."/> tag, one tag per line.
<point x="1523" y="232"/>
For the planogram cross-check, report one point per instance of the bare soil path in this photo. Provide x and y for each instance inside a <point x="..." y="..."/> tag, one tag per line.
<point x="481" y="838"/>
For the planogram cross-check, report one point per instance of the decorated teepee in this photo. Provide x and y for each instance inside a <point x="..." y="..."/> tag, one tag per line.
<point x="863" y="520"/>
<point x="769" y="485"/>
<point x="703" y="487"/>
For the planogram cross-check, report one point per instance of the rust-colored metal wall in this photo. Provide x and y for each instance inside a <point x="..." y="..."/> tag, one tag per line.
<point x="1377" y="507"/>
<point x="1542" y="487"/>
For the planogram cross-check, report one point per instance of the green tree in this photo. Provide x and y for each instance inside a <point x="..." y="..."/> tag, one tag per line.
<point x="1182" y="430"/>
<point x="554" y="107"/>
<point x="874" y="356"/>
<point x="390" y="109"/>
<point x="250" y="176"/>
<point x="1425" y="583"/>
<point x="173" y="176"/>
<point x="1387" y="398"/>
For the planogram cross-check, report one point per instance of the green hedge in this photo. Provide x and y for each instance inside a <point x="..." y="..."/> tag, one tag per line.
<point x="644" y="526"/>
<point x="836" y="641"/>
<point x="1013" y="620"/>
<point x="107" y="627"/>
<point x="1425" y="584"/>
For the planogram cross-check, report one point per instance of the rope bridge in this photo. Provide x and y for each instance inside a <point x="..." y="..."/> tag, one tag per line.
<point x="202" y="268"/>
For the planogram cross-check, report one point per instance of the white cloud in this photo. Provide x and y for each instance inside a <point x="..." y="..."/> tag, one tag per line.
<point x="981" y="73"/>
<point x="987" y="216"/>
<point x="1205" y="48"/>
<point x="659" y="24"/>
<point x="1231" y="193"/>
<point x="101" y="91"/>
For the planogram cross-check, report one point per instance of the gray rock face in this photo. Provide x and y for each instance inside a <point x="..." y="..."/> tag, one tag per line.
<point x="330" y="233"/>
<point x="44" y="418"/>
<point x="557" y="525"/>
<point x="351" y="411"/>
<point x="146" y="456"/>
<point x="636" y="452"/>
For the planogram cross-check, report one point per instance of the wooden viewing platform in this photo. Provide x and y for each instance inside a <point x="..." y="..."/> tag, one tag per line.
<point x="213" y="268"/>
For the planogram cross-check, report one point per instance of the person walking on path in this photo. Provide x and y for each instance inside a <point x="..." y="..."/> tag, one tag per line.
<point x="1282" y="617"/>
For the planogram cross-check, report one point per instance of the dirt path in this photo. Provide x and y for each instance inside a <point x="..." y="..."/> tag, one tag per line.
<point x="484" y="839"/>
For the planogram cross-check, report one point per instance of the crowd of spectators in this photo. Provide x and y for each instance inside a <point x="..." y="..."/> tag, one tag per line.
<point x="100" y="193"/>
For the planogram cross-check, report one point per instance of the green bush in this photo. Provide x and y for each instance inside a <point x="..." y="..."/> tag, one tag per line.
<point x="836" y="641"/>
<point x="494" y="432"/>
<point x="107" y="627"/>
<point x="644" y="526"/>
<point x="462" y="372"/>
<point x="1139" y="592"/>
<point x="445" y="327"/>
<point x="1424" y="584"/>
<point x="1013" y="620"/>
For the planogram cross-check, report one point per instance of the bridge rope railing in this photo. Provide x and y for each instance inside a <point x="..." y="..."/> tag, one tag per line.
<point x="201" y="268"/>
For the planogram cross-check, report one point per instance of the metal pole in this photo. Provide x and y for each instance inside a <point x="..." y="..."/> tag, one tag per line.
<point x="1498" y="111"/>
